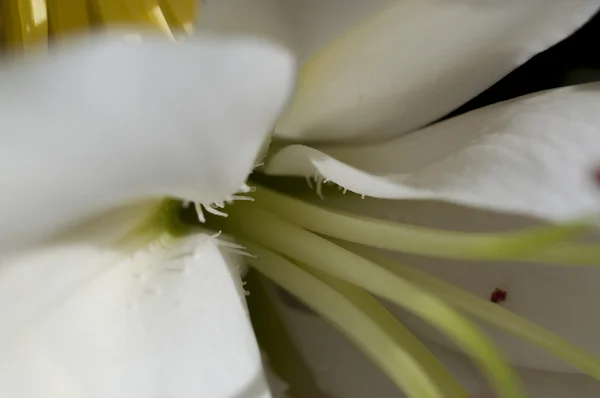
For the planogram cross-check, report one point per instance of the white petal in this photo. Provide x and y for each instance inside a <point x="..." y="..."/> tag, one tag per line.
<point x="104" y="122"/>
<point x="534" y="155"/>
<point x="412" y="61"/>
<point x="269" y="19"/>
<point x="305" y="27"/>
<point x="79" y="321"/>
<point x="346" y="373"/>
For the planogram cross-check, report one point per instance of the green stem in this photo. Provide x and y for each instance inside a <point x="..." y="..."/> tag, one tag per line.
<point x="527" y="245"/>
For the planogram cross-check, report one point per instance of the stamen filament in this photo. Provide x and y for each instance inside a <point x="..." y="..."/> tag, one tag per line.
<point x="200" y="212"/>
<point x="266" y="229"/>
<point x="350" y="320"/>
<point x="527" y="245"/>
<point x="212" y="210"/>
<point x="493" y="314"/>
<point x="369" y="305"/>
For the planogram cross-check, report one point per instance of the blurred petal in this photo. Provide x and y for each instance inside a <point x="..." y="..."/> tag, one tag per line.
<point x="269" y="19"/>
<point x="104" y="122"/>
<point x="81" y="321"/>
<point x="410" y="62"/>
<point x="533" y="156"/>
<point x="346" y="373"/>
<point x="303" y="26"/>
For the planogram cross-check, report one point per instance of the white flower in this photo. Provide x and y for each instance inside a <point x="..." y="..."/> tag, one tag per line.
<point x="530" y="158"/>
<point x="97" y="298"/>
<point x="103" y="299"/>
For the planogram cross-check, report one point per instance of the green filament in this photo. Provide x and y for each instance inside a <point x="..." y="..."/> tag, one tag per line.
<point x="282" y="231"/>
<point x="357" y="325"/>
<point x="529" y="245"/>
<point x="386" y="320"/>
<point x="493" y="314"/>
<point x="292" y="241"/>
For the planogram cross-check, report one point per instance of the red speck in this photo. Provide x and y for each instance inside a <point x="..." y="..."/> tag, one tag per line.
<point x="597" y="175"/>
<point x="498" y="296"/>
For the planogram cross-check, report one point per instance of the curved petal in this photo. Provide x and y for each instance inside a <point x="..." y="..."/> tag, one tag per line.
<point x="80" y="321"/>
<point x="410" y="62"/>
<point x="534" y="155"/>
<point x="345" y="372"/>
<point x="305" y="26"/>
<point x="103" y="122"/>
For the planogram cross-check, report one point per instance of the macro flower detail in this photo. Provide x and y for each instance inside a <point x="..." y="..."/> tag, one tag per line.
<point x="103" y="293"/>
<point x="168" y="176"/>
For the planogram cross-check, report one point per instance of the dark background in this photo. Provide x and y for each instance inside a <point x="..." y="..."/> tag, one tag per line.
<point x="558" y="66"/>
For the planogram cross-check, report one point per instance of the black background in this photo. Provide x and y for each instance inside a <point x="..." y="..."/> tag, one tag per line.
<point x="548" y="69"/>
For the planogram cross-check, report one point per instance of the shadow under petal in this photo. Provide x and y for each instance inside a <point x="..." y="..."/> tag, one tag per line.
<point x="255" y="388"/>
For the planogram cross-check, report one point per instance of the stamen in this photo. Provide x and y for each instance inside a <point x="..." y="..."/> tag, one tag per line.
<point x="303" y="246"/>
<point x="242" y="197"/>
<point x="319" y="185"/>
<point x="247" y="189"/>
<point x="309" y="181"/>
<point x="214" y="211"/>
<point x="372" y="337"/>
<point x="534" y="244"/>
<point x="212" y="207"/>
<point x="493" y="314"/>
<point x="425" y="296"/>
<point x="199" y="212"/>
<point x="231" y="247"/>
<point x="369" y="305"/>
